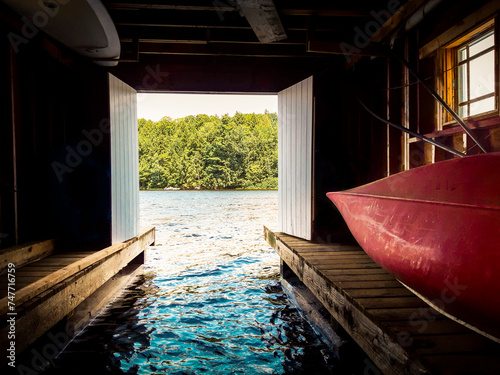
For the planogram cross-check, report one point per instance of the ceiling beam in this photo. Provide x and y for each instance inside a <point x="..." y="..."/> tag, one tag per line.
<point x="263" y="18"/>
<point x="397" y="19"/>
<point x="138" y="6"/>
<point x="324" y="12"/>
<point x="226" y="49"/>
<point x="197" y="35"/>
<point x="334" y="48"/>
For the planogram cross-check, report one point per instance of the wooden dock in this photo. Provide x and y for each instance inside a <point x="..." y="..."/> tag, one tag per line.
<point x="398" y="331"/>
<point x="51" y="285"/>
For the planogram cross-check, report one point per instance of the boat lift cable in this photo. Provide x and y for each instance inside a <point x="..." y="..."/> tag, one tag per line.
<point x="411" y="132"/>
<point x="439" y="99"/>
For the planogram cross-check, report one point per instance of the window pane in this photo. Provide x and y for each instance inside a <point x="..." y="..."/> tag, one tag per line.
<point x="482" y="106"/>
<point x="482" y="75"/>
<point x="462" y="54"/>
<point x="462" y="83"/>
<point x="482" y="44"/>
<point x="462" y="111"/>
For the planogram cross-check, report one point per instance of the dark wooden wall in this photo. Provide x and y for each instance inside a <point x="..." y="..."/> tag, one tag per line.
<point x="349" y="148"/>
<point x="46" y="107"/>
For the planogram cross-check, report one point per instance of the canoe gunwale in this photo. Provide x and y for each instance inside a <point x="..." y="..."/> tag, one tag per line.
<point x="416" y="200"/>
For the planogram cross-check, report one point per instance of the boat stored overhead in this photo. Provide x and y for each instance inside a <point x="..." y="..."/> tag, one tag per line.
<point x="83" y="26"/>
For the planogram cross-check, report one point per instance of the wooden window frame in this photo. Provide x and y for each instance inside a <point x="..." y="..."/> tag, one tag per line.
<point x="449" y="64"/>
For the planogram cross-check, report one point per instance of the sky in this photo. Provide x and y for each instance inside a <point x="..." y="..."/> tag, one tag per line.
<point x="155" y="106"/>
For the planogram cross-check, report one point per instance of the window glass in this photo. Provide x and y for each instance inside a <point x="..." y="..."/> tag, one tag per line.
<point x="482" y="106"/>
<point x="482" y="75"/>
<point x="481" y="44"/>
<point x="463" y="111"/>
<point x="474" y="82"/>
<point x="462" y="83"/>
<point x="462" y="54"/>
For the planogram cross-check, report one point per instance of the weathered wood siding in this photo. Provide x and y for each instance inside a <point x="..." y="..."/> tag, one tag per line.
<point x="295" y="132"/>
<point x="124" y="161"/>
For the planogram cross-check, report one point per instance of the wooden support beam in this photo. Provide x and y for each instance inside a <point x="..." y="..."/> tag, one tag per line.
<point x="199" y="35"/>
<point x="387" y="354"/>
<point x="397" y="330"/>
<point x="14" y="94"/>
<point x="224" y="49"/>
<point x="211" y="20"/>
<point x="48" y="282"/>
<point x="98" y="300"/>
<point x="324" y="12"/>
<point x="138" y="6"/>
<point x="26" y="253"/>
<point x="263" y="18"/>
<point x="468" y="23"/>
<point x="55" y="296"/>
<point x="339" y="49"/>
<point x="400" y="16"/>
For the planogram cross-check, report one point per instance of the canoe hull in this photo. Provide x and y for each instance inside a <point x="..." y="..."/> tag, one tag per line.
<point x="445" y="249"/>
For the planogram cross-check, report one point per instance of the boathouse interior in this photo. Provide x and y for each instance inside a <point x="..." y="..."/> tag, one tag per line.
<point x="68" y="122"/>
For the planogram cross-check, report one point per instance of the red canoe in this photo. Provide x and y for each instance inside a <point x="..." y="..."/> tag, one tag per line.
<point x="437" y="229"/>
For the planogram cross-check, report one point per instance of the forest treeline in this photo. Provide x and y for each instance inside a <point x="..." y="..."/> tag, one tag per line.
<point x="209" y="152"/>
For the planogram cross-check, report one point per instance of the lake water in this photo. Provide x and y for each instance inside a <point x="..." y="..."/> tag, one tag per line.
<point x="210" y="300"/>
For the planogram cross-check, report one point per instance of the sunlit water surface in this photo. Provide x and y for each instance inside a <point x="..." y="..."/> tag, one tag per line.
<point x="210" y="300"/>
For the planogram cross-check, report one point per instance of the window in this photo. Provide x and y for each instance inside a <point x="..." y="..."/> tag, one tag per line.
<point x="476" y="76"/>
<point x="470" y="76"/>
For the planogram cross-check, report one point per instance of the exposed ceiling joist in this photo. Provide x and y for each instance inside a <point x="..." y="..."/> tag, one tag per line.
<point x="197" y="34"/>
<point x="324" y="12"/>
<point x="263" y="18"/>
<point x="255" y="50"/>
<point x="333" y="48"/>
<point x="138" y="6"/>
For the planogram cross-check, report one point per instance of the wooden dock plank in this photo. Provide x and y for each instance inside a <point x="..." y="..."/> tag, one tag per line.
<point x="345" y="266"/>
<point x="452" y="343"/>
<point x="368" y="284"/>
<point x="381" y="276"/>
<point x="379" y="292"/>
<point x="51" y="298"/>
<point x="353" y="271"/>
<point x="25" y="253"/>
<point x="416" y="327"/>
<point x="463" y="363"/>
<point x="32" y="272"/>
<point x="327" y="258"/>
<point x="390" y="302"/>
<point x="75" y="254"/>
<point x="397" y="330"/>
<point x="60" y="274"/>
<point x="55" y="262"/>
<point x="388" y="355"/>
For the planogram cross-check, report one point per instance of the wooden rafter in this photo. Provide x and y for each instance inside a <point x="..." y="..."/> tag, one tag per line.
<point x="263" y="18"/>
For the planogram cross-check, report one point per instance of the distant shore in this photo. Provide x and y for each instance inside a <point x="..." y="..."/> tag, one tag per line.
<point x="238" y="189"/>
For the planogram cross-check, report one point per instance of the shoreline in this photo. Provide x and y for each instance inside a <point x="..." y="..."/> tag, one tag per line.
<point x="239" y="189"/>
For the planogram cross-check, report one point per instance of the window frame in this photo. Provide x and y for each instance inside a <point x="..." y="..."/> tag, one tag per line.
<point x="450" y="66"/>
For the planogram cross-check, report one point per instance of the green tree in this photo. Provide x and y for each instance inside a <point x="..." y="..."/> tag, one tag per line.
<point x="209" y="152"/>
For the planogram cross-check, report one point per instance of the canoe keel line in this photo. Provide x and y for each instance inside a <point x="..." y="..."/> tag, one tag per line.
<point x="437" y="228"/>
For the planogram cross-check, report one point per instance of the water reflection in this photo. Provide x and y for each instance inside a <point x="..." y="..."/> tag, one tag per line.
<point x="210" y="302"/>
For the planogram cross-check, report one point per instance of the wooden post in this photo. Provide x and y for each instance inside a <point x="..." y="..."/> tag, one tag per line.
<point x="13" y="94"/>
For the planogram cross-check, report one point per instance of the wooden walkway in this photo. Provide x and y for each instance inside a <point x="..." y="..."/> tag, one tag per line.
<point x="398" y="331"/>
<point x="49" y="285"/>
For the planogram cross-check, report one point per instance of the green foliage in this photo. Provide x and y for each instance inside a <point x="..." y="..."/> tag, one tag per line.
<point x="209" y="152"/>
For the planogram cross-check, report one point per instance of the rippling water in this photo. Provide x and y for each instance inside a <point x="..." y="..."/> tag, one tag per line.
<point x="210" y="300"/>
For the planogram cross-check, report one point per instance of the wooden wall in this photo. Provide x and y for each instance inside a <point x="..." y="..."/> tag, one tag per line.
<point x="350" y="146"/>
<point x="55" y="180"/>
<point x="124" y="161"/>
<point x="295" y="134"/>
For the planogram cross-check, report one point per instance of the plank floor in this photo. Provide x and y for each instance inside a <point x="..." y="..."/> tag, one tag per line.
<point x="35" y="271"/>
<point x="432" y="342"/>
